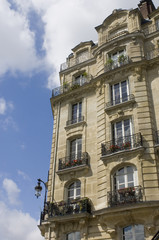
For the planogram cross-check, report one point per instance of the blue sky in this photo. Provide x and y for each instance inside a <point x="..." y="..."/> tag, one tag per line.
<point x="36" y="36"/>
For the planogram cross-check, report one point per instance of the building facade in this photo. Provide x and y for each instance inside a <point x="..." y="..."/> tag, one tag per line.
<point x="104" y="170"/>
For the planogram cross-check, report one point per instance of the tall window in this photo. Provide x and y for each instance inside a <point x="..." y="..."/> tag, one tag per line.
<point x="135" y="232"/>
<point x="73" y="236"/>
<point x="120" y="92"/>
<point x="121" y="132"/>
<point x="125" y="177"/>
<point x="80" y="80"/>
<point x="76" y="148"/>
<point x="74" y="190"/>
<point x="115" y="56"/>
<point x="77" y="112"/>
<point x="157" y="24"/>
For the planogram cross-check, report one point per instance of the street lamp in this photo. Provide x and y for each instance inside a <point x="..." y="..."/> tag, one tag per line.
<point x="38" y="190"/>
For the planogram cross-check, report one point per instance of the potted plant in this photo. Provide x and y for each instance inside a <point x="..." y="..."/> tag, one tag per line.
<point x="114" y="148"/>
<point x="122" y="58"/>
<point x="109" y="62"/>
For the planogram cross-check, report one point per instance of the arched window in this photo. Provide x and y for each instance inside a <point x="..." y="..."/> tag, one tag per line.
<point x="125" y="177"/>
<point x="135" y="232"/>
<point x="74" y="190"/>
<point x="73" y="236"/>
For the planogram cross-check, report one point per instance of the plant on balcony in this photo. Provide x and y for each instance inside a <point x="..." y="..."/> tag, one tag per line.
<point x="75" y="86"/>
<point x="129" y="191"/>
<point x="114" y="148"/>
<point x="126" y="145"/>
<point x="85" y="74"/>
<point x="109" y="62"/>
<point x="122" y="58"/>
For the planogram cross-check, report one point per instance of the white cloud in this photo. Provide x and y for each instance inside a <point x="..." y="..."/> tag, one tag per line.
<point x="3" y="106"/>
<point x="12" y="191"/>
<point x="66" y="23"/>
<point x="23" y="175"/>
<point x="7" y="123"/>
<point x="17" y="46"/>
<point x="17" y="225"/>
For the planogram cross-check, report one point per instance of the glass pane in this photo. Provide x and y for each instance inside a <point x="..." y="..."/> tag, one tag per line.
<point x="70" y="236"/>
<point x="124" y="91"/>
<point x="116" y="93"/>
<point x="80" y="111"/>
<point x="127" y="127"/>
<point x="120" y="171"/>
<point x="127" y="233"/>
<point x="130" y="177"/>
<point x="118" y="130"/>
<point x="74" y="113"/>
<point x="78" y="184"/>
<point x="77" y="236"/>
<point x="121" y="179"/>
<point x="78" y="192"/>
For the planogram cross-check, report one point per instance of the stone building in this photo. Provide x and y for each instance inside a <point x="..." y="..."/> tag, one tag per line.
<point x="104" y="171"/>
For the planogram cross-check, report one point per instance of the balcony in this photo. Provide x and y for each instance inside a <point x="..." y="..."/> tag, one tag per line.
<point x="122" y="144"/>
<point x="74" y="61"/>
<point x="68" y="87"/>
<point x="74" y="121"/>
<point x="126" y="99"/>
<point x="153" y="54"/>
<point x="73" y="162"/>
<point x="63" y="208"/>
<point x="151" y="29"/>
<point x="125" y="196"/>
<point x="111" y="65"/>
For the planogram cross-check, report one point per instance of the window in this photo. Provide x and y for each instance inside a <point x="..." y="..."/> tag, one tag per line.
<point x="76" y="112"/>
<point x="115" y="57"/>
<point x="82" y="56"/>
<point x="73" y="236"/>
<point x="76" y="148"/>
<point x="120" y="92"/>
<point x="157" y="24"/>
<point x="122" y="133"/>
<point x="135" y="232"/>
<point x="80" y="80"/>
<point x="125" y="177"/>
<point x="74" y="190"/>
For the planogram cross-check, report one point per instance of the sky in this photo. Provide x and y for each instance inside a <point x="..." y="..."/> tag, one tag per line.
<point x="36" y="36"/>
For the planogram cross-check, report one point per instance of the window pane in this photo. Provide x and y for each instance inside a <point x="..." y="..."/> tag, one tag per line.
<point x="124" y="91"/>
<point x="133" y="232"/>
<point x="116" y="93"/>
<point x="127" y="233"/>
<point x="127" y="127"/>
<point x="80" y="111"/>
<point x="119" y="129"/>
<point x="77" y="236"/>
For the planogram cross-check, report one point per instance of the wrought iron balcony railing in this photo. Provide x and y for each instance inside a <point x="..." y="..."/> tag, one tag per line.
<point x="76" y="120"/>
<point x="74" y="61"/>
<point x="120" y="100"/>
<point x="66" y="87"/>
<point x="64" y="208"/>
<point x="116" y="64"/>
<point x="157" y="138"/>
<point x="72" y="161"/>
<point x="124" y="196"/>
<point x="152" y="28"/>
<point x="121" y="144"/>
<point x="153" y="54"/>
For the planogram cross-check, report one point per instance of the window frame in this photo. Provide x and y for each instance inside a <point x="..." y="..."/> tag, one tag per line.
<point x="76" y="115"/>
<point x="78" y="145"/>
<point x="76" y="186"/>
<point x="133" y="232"/>
<point x="120" y="99"/>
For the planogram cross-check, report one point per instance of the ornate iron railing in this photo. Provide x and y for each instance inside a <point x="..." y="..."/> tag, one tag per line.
<point x="153" y="54"/>
<point x="76" y="120"/>
<point x="120" y="100"/>
<point x="157" y="138"/>
<point x="124" y="196"/>
<point x="121" y="144"/>
<point x="116" y="64"/>
<point x="152" y="28"/>
<point x="73" y="161"/>
<point x="74" y="61"/>
<point x="70" y="86"/>
<point x="64" y="208"/>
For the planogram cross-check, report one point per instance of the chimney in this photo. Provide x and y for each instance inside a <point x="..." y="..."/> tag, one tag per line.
<point x="146" y="7"/>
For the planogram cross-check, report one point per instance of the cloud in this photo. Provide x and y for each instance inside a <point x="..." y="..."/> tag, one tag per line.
<point x="17" y="225"/>
<point x="12" y="191"/>
<point x="3" y="106"/>
<point x="8" y="122"/>
<point x="17" y="46"/>
<point x="23" y="175"/>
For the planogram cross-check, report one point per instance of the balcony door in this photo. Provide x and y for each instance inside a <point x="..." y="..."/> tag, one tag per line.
<point x="120" y="92"/>
<point x="77" y="112"/>
<point x="122" y="133"/>
<point x="73" y="236"/>
<point x="74" y="191"/>
<point x="76" y="149"/>
<point x="125" y="177"/>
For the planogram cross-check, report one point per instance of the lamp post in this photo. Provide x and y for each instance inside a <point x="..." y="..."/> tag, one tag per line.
<point x="38" y="190"/>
